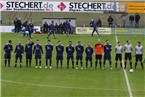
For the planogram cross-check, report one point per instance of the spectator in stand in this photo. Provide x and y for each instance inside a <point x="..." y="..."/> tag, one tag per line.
<point x="45" y="27"/>
<point x="123" y="17"/>
<point x="110" y="21"/>
<point x="16" y="25"/>
<point x="137" y="19"/>
<point x="99" y="23"/>
<point x="131" y="19"/>
<point x="91" y="23"/>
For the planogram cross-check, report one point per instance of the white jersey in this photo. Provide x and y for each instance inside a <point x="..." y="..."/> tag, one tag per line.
<point x="118" y="49"/>
<point x="138" y="50"/>
<point x="128" y="48"/>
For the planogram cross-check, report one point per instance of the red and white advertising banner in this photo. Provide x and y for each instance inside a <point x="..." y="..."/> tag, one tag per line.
<point x="50" y="6"/>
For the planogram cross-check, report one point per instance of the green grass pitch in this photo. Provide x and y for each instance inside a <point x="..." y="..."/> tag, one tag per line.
<point x="31" y="82"/>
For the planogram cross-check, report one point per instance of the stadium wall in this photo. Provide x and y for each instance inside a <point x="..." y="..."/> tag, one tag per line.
<point x="88" y="30"/>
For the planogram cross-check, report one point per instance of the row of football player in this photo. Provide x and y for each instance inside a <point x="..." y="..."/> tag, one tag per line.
<point x="98" y="50"/>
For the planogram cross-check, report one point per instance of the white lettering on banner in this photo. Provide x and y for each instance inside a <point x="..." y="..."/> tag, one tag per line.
<point x="88" y="30"/>
<point x="42" y="6"/>
<point x="91" y="6"/>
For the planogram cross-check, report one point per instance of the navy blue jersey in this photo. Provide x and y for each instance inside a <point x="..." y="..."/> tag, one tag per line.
<point x="69" y="50"/>
<point x="27" y="27"/>
<point x="8" y="48"/>
<point x="37" y="49"/>
<point x="52" y="27"/>
<point x="107" y="49"/>
<point x="49" y="49"/>
<point x="79" y="50"/>
<point x="94" y="24"/>
<point x="59" y="50"/>
<point x="91" y="23"/>
<point x="19" y="49"/>
<point x="89" y="51"/>
<point x="68" y="25"/>
<point x="28" y="47"/>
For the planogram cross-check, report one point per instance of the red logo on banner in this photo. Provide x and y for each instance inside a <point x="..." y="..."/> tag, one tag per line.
<point x="1" y="5"/>
<point x="61" y="6"/>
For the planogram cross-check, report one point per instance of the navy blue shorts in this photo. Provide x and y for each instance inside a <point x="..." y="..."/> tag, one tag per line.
<point x="70" y="57"/>
<point x="37" y="56"/>
<point x="79" y="57"/>
<point x="18" y="56"/>
<point x="59" y="57"/>
<point x="29" y="56"/>
<point x="7" y="56"/>
<point x="48" y="56"/>
<point x="88" y="58"/>
<point x="107" y="57"/>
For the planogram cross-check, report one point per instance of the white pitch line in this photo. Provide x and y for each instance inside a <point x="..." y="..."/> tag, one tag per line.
<point x="126" y="76"/>
<point x="64" y="87"/>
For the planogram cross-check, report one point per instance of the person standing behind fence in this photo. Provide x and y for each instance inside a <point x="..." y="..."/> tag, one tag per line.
<point x="131" y="19"/>
<point x="123" y="17"/>
<point x="110" y="21"/>
<point x="99" y="23"/>
<point x="16" y="25"/>
<point x="27" y="27"/>
<point x="19" y="25"/>
<point x="69" y="27"/>
<point x="64" y="28"/>
<point x="137" y="18"/>
<point x="45" y="27"/>
<point x="52" y="30"/>
<point x="31" y="29"/>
